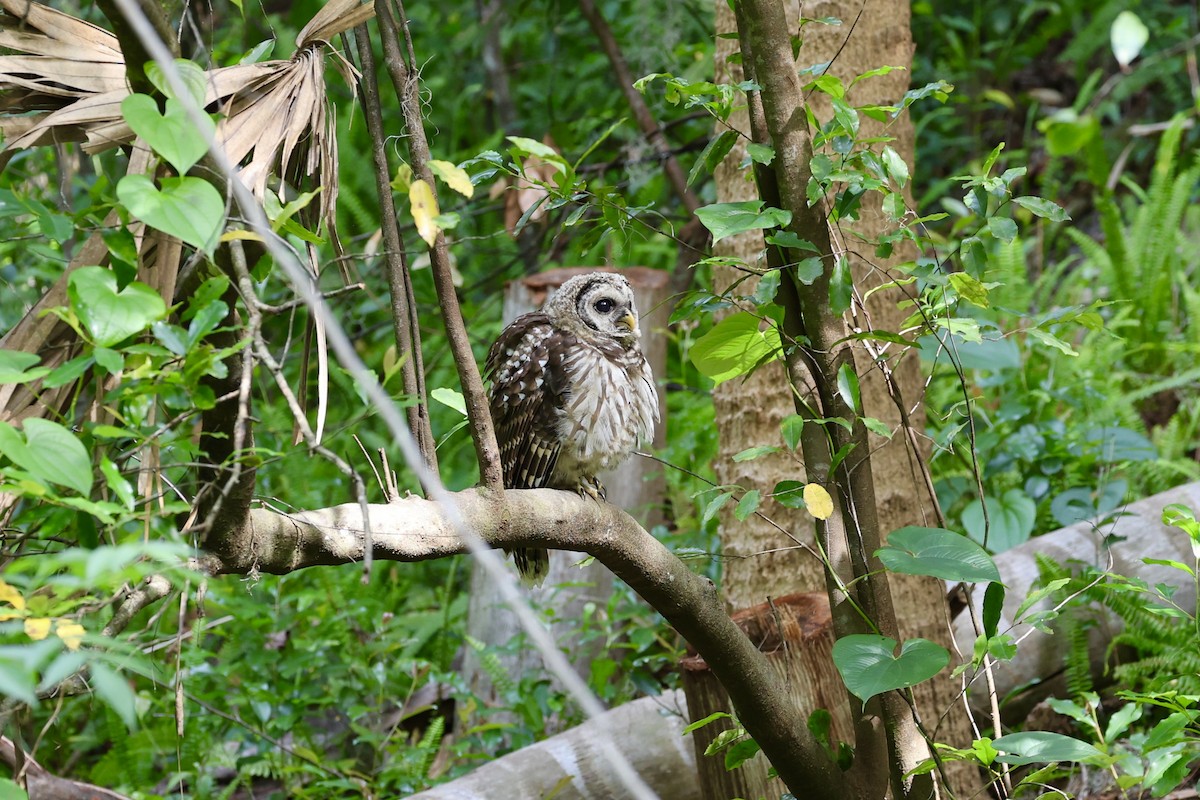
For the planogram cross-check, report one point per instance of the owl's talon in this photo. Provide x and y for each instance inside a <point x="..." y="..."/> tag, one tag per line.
<point x="591" y="487"/>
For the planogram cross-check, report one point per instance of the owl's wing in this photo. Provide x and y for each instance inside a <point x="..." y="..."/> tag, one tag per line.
<point x="529" y="384"/>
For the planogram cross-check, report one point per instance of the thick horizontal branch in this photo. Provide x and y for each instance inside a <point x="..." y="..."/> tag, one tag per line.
<point x="415" y="529"/>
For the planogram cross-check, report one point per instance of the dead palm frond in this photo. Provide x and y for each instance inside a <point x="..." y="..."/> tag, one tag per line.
<point x="66" y="80"/>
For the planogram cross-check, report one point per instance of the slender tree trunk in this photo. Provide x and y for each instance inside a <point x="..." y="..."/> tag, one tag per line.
<point x="760" y="561"/>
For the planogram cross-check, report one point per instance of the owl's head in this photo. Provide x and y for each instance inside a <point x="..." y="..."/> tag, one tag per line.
<point x="596" y="307"/>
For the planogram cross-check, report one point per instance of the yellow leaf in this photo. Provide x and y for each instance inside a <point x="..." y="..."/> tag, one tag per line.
<point x="403" y="178"/>
<point x="37" y="628"/>
<point x="455" y="177"/>
<point x="11" y="596"/>
<point x="424" y="208"/>
<point x="819" y="503"/>
<point x="71" y="633"/>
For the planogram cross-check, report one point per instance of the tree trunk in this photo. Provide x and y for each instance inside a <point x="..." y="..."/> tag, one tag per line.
<point x="796" y="633"/>
<point x="636" y="486"/>
<point x="760" y="561"/>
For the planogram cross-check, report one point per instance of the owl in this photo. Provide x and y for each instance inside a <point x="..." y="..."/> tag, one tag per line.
<point x="571" y="395"/>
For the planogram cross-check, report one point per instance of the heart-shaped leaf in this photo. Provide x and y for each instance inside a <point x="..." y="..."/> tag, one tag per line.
<point x="187" y="208"/>
<point x="869" y="666"/>
<point x="111" y="316"/>
<point x="938" y="552"/>
<point x="50" y="452"/>
<point x="172" y="135"/>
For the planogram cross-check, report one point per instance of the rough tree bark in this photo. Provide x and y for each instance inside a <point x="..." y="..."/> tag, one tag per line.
<point x="760" y="562"/>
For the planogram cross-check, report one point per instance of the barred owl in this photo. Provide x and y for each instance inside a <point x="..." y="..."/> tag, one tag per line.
<point x="571" y="393"/>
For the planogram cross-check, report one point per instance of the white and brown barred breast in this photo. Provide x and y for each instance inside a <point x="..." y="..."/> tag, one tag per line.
<point x="565" y="409"/>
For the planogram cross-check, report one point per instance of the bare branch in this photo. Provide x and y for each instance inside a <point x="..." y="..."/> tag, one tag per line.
<point x="415" y="529"/>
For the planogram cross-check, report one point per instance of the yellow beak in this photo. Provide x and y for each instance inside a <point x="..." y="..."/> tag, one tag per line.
<point x="629" y="321"/>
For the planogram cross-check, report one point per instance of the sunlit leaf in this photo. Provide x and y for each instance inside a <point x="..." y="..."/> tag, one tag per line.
<point x="424" y="208"/>
<point x="818" y="501"/>
<point x="37" y="628"/>
<point x="70" y="632"/>
<point x="454" y="176"/>
<point x="1128" y="36"/>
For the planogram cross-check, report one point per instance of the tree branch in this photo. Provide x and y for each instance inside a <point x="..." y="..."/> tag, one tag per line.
<point x="404" y="319"/>
<point x="405" y="80"/>
<point x="415" y="529"/>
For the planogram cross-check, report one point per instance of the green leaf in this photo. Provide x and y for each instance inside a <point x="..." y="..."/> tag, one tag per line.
<point x="808" y="270"/>
<point x="790" y="428"/>
<point x="897" y="167"/>
<point x="713" y="506"/>
<point x="970" y="289"/>
<point x="1128" y="36"/>
<point x="841" y="287"/>
<point x="729" y="219"/>
<point x="993" y="606"/>
<point x="748" y="504"/>
<point x="195" y="79"/>
<point x="789" y="494"/>
<point x="751" y="453"/>
<point x="110" y="361"/>
<point x="869" y="665"/>
<point x="768" y="286"/>
<point x="700" y="723"/>
<point x="14" y="366"/>
<point x="740" y="753"/>
<point x="190" y="209"/>
<point x="450" y="399"/>
<point x="115" y="692"/>
<point x="937" y="552"/>
<point x="734" y="346"/>
<point x="791" y="240"/>
<point x="9" y="790"/>
<point x="712" y="155"/>
<point x="1002" y="228"/>
<point x="172" y="134"/>
<point x="1044" y="208"/>
<point x="847" y="386"/>
<point x="1036" y="747"/>
<point x="1011" y="519"/>
<point x="760" y="153"/>
<point x="1052" y="341"/>
<point x="111" y="316"/>
<point x="117" y="482"/>
<point x="54" y="454"/>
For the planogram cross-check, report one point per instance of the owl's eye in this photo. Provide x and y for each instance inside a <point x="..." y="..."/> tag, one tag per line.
<point x="603" y="305"/>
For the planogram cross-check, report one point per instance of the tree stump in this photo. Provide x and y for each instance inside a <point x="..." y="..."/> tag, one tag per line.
<point x="796" y="633"/>
<point x="569" y="592"/>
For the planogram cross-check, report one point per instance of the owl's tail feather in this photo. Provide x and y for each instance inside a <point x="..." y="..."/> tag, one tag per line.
<point x="532" y="565"/>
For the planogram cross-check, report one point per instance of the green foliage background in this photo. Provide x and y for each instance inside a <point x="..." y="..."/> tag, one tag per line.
<point x="311" y="673"/>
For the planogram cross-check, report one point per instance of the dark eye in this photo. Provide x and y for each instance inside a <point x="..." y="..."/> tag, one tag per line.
<point x="603" y="305"/>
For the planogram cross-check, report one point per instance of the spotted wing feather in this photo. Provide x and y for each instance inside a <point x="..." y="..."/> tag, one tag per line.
<point x="529" y="386"/>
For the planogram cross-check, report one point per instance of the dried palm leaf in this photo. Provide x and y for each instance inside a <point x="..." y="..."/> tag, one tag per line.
<point x="274" y="115"/>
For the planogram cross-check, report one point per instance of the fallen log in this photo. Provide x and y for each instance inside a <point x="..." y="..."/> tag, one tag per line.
<point x="647" y="732"/>
<point x="1117" y="545"/>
